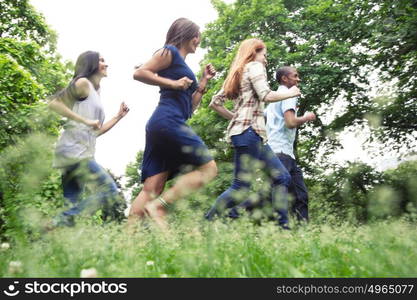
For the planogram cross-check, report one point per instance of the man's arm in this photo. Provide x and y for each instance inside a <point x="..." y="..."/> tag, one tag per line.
<point x="292" y="121"/>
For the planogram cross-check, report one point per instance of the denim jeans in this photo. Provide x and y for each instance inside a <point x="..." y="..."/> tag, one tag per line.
<point x="74" y="180"/>
<point x="297" y="187"/>
<point x="248" y="151"/>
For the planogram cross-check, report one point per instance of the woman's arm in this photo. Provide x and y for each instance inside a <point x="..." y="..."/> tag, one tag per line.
<point x="275" y="96"/>
<point x="58" y="104"/>
<point x="113" y="121"/>
<point x="208" y="73"/>
<point x="257" y="76"/>
<point x="217" y="104"/>
<point x="147" y="73"/>
<point x="223" y="111"/>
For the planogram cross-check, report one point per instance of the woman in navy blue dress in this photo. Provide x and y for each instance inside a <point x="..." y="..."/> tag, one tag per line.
<point x="172" y="147"/>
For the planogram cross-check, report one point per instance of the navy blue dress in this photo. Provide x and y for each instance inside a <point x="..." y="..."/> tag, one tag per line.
<point x="171" y="145"/>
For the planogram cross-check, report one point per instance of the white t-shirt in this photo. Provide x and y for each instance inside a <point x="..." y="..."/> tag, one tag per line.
<point x="280" y="137"/>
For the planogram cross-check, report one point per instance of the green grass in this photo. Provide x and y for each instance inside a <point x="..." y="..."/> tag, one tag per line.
<point x="196" y="248"/>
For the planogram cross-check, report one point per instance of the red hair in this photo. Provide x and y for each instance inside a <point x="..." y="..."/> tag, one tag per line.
<point x="246" y="53"/>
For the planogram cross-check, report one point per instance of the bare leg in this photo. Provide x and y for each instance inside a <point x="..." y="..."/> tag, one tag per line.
<point x="186" y="184"/>
<point x="152" y="188"/>
<point x="191" y="182"/>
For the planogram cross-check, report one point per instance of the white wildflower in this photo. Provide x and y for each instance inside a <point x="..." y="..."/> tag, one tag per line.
<point x="4" y="246"/>
<point x="150" y="263"/>
<point x="88" y="273"/>
<point x="15" y="267"/>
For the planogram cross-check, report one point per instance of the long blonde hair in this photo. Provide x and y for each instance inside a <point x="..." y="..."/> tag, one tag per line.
<point x="246" y="53"/>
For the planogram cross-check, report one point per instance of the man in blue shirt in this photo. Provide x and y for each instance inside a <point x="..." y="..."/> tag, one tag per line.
<point x="281" y="126"/>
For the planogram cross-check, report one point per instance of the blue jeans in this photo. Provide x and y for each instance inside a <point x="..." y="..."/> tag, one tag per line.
<point x="74" y="179"/>
<point x="248" y="151"/>
<point x="297" y="187"/>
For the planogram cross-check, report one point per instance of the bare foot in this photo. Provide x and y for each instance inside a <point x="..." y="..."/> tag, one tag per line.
<point x="132" y="224"/>
<point x="49" y="226"/>
<point x="156" y="212"/>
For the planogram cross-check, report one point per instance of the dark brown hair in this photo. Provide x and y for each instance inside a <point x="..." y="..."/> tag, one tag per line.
<point x="182" y="30"/>
<point x="87" y="65"/>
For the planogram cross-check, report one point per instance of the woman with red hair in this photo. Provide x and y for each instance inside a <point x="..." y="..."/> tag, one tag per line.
<point x="246" y="84"/>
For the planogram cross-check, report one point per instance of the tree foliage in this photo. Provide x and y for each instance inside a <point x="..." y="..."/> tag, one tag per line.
<point x="21" y="22"/>
<point x="359" y="193"/>
<point x="133" y="175"/>
<point x="357" y="60"/>
<point x="31" y="70"/>
<point x="336" y="45"/>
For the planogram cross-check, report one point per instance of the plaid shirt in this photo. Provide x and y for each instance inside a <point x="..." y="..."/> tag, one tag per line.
<point x="249" y="105"/>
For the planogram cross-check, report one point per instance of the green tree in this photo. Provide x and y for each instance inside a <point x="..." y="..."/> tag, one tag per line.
<point x="133" y="175"/>
<point x="344" y="193"/>
<point x="334" y="45"/>
<point x="31" y="70"/>
<point x="394" y="40"/>
<point x="339" y="48"/>
<point x="21" y="22"/>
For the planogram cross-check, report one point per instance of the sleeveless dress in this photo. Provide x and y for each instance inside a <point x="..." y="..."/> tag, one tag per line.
<point x="171" y="145"/>
<point x="78" y="141"/>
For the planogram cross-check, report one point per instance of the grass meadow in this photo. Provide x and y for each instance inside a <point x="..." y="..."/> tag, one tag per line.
<point x="194" y="247"/>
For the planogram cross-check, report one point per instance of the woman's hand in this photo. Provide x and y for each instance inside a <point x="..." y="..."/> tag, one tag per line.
<point x="209" y="72"/>
<point x="182" y="84"/>
<point x="294" y="91"/>
<point x="123" y="110"/>
<point x="94" y="124"/>
<point x="113" y="121"/>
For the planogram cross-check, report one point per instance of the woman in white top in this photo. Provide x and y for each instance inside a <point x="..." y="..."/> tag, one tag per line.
<point x="74" y="154"/>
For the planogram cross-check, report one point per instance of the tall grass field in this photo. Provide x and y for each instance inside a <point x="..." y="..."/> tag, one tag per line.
<point x="196" y="248"/>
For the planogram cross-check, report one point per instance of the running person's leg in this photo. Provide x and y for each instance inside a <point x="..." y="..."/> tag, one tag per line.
<point x="185" y="185"/>
<point x="281" y="180"/>
<point x="239" y="187"/>
<point x="173" y="149"/>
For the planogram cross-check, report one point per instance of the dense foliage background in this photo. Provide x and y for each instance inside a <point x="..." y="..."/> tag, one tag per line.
<point x="31" y="71"/>
<point x="358" y="62"/>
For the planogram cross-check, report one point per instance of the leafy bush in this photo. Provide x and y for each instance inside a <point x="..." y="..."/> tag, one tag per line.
<point x="359" y="193"/>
